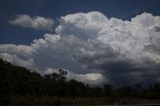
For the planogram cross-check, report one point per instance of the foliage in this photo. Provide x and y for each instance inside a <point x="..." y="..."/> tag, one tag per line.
<point x="17" y="84"/>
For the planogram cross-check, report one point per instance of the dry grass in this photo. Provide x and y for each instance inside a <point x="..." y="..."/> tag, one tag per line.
<point x="55" y="101"/>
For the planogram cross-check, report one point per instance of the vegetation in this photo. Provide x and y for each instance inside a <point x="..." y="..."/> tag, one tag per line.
<point x="22" y="87"/>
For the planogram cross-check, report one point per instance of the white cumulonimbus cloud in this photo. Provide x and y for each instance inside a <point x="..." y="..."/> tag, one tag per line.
<point x="105" y="50"/>
<point x="89" y="78"/>
<point x="38" y="23"/>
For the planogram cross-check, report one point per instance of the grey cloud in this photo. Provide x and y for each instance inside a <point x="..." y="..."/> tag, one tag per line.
<point x="38" y="23"/>
<point x="124" y="72"/>
<point x="117" y="51"/>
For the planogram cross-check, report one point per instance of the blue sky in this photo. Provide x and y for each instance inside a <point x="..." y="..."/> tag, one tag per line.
<point x="123" y="9"/>
<point x="95" y="41"/>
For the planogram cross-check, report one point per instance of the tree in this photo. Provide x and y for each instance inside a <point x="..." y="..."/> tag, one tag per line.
<point x="108" y="90"/>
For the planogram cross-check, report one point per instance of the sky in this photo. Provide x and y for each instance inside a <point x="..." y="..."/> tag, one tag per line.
<point x="95" y="41"/>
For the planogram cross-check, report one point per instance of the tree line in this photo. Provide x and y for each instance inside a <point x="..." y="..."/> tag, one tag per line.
<point x="19" y="81"/>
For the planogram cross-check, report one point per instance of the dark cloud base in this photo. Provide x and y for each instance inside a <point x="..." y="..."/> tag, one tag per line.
<point x="95" y="49"/>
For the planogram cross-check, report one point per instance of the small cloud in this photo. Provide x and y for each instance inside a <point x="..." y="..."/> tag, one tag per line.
<point x="37" y="23"/>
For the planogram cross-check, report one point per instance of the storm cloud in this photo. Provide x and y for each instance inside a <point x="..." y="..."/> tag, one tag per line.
<point x="95" y="48"/>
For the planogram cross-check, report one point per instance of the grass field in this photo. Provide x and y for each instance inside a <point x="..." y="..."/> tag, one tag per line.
<point x="55" y="101"/>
